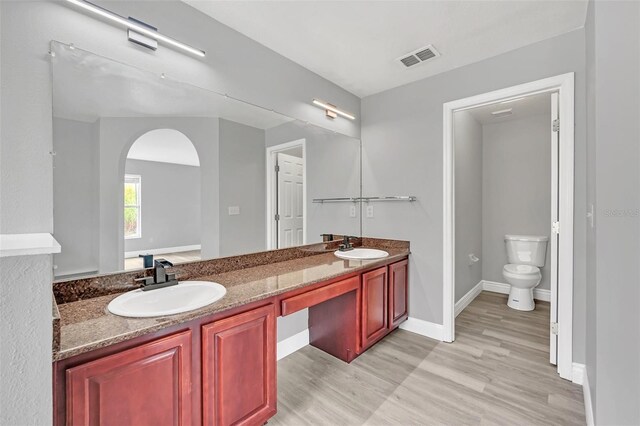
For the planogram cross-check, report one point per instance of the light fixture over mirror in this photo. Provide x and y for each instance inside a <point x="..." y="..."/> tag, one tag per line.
<point x="331" y="110"/>
<point x="136" y="26"/>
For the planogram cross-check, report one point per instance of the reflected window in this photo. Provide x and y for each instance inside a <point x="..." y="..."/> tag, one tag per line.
<point x="132" y="206"/>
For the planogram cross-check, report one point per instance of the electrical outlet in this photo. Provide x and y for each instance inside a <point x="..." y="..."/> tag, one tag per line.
<point x="352" y="211"/>
<point x="369" y="211"/>
<point x="234" y="210"/>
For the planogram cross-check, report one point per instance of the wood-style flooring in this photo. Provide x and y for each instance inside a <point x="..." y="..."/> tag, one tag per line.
<point x="175" y="258"/>
<point x="496" y="372"/>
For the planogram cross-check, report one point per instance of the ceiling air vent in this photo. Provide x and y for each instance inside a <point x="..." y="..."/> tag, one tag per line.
<point x="418" y="56"/>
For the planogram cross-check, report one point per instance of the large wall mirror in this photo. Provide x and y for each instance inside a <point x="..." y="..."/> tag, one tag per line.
<point x="145" y="164"/>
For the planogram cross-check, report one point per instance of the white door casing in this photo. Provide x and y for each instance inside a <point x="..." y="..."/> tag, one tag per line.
<point x="290" y="203"/>
<point x="564" y="86"/>
<point x="553" y="240"/>
<point x="271" y="181"/>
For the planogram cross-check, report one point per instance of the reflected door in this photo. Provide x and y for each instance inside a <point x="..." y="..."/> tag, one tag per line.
<point x="290" y="199"/>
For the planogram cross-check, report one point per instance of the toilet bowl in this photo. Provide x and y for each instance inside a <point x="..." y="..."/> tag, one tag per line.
<point x="526" y="254"/>
<point x="523" y="279"/>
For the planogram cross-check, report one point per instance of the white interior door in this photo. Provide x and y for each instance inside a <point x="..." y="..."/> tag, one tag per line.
<point x="554" y="240"/>
<point x="290" y="201"/>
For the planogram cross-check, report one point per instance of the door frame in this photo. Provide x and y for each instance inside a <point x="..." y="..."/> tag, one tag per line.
<point x="272" y="192"/>
<point x="564" y="85"/>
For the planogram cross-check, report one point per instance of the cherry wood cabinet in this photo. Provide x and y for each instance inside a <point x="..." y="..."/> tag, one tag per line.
<point x="221" y="369"/>
<point x="398" y="292"/>
<point x="239" y="369"/>
<point x="375" y="319"/>
<point x="146" y="385"/>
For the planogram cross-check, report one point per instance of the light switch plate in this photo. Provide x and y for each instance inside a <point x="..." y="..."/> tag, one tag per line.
<point x="369" y="211"/>
<point x="352" y="211"/>
<point x="234" y="210"/>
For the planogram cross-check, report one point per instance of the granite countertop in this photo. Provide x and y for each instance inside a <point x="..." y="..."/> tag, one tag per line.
<point x="86" y="324"/>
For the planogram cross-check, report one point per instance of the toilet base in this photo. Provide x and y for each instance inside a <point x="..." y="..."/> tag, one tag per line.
<point x="521" y="299"/>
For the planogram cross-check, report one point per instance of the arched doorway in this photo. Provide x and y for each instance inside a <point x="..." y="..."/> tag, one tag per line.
<point x="161" y="206"/>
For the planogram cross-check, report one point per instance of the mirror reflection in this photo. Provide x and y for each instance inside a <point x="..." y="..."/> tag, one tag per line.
<point x="147" y="166"/>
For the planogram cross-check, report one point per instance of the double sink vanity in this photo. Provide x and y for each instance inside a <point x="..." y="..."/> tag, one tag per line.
<point x="196" y="343"/>
<point x="215" y="364"/>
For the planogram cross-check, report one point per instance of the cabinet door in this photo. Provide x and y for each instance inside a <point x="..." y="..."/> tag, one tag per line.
<point x="374" y="306"/>
<point x="398" y="292"/>
<point x="239" y="368"/>
<point x="146" y="385"/>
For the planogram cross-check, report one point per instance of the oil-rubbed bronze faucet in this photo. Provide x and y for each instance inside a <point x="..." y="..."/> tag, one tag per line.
<point x="160" y="277"/>
<point x="346" y="244"/>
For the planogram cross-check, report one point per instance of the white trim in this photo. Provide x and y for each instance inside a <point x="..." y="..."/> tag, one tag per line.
<point x="165" y="250"/>
<point x="294" y="343"/>
<point x="503" y="288"/>
<point x="588" y="403"/>
<point x="27" y="244"/>
<point x="468" y="298"/>
<point x="422" y="327"/>
<point x="272" y="151"/>
<point x="564" y="84"/>
<point x="76" y="272"/>
<point x="577" y="373"/>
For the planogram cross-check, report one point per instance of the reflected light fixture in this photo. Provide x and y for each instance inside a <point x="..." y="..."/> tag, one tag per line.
<point x="331" y="110"/>
<point x="136" y="26"/>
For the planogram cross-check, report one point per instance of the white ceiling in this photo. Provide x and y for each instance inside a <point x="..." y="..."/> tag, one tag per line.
<point x="520" y="108"/>
<point x="164" y="146"/>
<point x="355" y="43"/>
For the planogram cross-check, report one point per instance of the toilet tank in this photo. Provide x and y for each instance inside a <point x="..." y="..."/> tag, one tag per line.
<point x="526" y="249"/>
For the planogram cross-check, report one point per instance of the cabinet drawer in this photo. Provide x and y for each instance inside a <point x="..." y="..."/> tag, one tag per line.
<point x="319" y="295"/>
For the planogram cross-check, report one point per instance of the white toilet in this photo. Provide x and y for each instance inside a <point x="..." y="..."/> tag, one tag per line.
<point x="526" y="254"/>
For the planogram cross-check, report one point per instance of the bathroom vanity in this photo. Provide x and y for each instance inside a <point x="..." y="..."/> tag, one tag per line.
<point x="217" y="365"/>
<point x="230" y="178"/>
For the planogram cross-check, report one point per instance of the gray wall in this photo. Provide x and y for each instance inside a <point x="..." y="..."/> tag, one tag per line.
<point x="242" y="174"/>
<point x="75" y="196"/>
<point x="333" y="170"/>
<point x="116" y="137"/>
<point x="468" y="202"/>
<point x="235" y="65"/>
<point x="25" y="340"/>
<point x="402" y="154"/>
<point x="170" y="205"/>
<point x="516" y="189"/>
<point x="613" y="344"/>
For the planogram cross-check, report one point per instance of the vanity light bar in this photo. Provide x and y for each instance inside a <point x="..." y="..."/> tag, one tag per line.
<point x="331" y="108"/>
<point x="136" y="27"/>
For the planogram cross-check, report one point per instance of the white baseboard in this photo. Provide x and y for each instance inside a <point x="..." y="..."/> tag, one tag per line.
<point x="496" y="287"/>
<point x="577" y="373"/>
<point x="424" y="328"/>
<point x="586" y="392"/>
<point x="468" y="298"/>
<point x="178" y="249"/>
<point x="293" y="343"/>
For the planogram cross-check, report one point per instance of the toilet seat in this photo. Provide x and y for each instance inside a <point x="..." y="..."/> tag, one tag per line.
<point x="513" y="268"/>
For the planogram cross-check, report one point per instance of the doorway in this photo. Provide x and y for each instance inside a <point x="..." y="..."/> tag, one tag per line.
<point x="161" y="162"/>
<point x="286" y="195"/>
<point x="561" y="214"/>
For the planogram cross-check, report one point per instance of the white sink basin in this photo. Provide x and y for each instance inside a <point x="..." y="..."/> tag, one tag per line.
<point x="361" y="254"/>
<point x="184" y="297"/>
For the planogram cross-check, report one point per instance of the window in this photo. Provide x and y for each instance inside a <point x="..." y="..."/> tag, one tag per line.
<point x="132" y="206"/>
